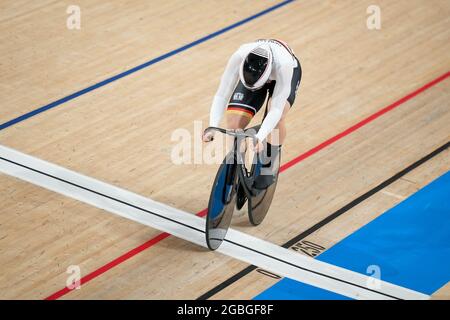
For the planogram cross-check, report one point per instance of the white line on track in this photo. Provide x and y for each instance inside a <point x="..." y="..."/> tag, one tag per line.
<point x="189" y="227"/>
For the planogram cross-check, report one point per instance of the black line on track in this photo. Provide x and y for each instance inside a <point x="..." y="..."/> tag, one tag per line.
<point x="327" y="220"/>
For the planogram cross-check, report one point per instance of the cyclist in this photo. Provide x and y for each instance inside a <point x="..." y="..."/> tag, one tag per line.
<point x="266" y="68"/>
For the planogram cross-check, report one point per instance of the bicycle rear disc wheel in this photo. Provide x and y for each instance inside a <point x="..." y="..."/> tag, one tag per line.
<point x="241" y="197"/>
<point x="221" y="203"/>
<point x="258" y="205"/>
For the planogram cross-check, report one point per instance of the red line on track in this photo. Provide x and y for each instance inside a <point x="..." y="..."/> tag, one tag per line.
<point x="284" y="167"/>
<point x="363" y="122"/>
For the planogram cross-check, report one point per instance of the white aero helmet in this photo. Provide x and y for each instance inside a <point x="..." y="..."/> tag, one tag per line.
<point x="256" y="67"/>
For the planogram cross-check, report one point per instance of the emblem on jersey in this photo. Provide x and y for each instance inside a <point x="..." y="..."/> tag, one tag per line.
<point x="238" y="96"/>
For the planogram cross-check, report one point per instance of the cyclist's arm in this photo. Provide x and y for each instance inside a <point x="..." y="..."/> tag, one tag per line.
<point x="280" y="95"/>
<point x="226" y="87"/>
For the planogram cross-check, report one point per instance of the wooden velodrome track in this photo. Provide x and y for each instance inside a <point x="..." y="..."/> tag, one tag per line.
<point x="120" y="133"/>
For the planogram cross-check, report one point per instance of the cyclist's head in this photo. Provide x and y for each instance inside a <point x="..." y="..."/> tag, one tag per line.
<point x="256" y="67"/>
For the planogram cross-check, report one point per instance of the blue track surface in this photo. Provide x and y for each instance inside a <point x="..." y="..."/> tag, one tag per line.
<point x="410" y="244"/>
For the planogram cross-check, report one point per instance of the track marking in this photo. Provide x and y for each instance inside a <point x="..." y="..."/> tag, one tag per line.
<point x="189" y="227"/>
<point x="365" y="121"/>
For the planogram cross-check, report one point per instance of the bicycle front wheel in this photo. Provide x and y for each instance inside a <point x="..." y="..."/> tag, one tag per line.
<point x="221" y="203"/>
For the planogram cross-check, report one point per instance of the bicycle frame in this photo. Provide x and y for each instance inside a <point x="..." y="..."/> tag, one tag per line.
<point x="245" y="179"/>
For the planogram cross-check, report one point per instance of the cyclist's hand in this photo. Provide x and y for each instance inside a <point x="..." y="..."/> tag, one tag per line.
<point x="208" y="136"/>
<point x="258" y="146"/>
